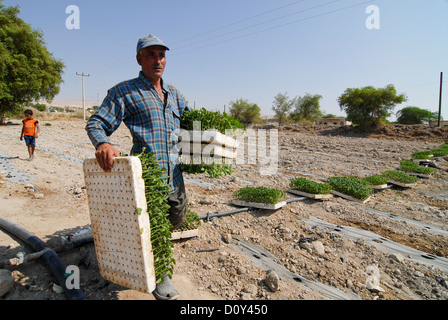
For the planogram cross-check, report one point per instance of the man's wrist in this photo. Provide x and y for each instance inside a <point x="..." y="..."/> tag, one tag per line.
<point x="101" y="143"/>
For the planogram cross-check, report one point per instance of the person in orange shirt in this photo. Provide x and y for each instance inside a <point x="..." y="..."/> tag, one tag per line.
<point x="30" y="132"/>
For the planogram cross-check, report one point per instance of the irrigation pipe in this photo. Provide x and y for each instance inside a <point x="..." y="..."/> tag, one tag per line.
<point x="208" y="217"/>
<point x="50" y="257"/>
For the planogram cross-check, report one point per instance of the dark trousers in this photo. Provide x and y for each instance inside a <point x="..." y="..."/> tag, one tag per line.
<point x="178" y="206"/>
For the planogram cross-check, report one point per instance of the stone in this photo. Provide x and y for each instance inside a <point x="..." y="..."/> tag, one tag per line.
<point x="397" y="257"/>
<point x="272" y="280"/>
<point x="227" y="238"/>
<point x="319" y="248"/>
<point x="6" y="282"/>
<point x="250" y="289"/>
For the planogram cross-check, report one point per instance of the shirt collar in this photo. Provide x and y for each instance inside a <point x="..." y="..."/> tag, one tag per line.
<point x="142" y="77"/>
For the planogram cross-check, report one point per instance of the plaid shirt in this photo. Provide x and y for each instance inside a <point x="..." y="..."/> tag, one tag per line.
<point x="151" y="123"/>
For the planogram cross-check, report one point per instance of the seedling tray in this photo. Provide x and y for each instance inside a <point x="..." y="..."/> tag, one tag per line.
<point x="120" y="223"/>
<point x="418" y="175"/>
<point x="213" y="137"/>
<point x="402" y="184"/>
<point x="259" y="205"/>
<point x="345" y="196"/>
<point x="180" y="235"/>
<point x="326" y="196"/>
<point x="379" y="186"/>
<point x="207" y="150"/>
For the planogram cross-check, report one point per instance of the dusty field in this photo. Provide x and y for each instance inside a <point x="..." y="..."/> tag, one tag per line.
<point x="319" y="249"/>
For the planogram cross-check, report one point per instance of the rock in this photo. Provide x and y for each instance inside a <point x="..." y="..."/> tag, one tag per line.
<point x="77" y="190"/>
<point x="397" y="257"/>
<point x="38" y="196"/>
<point x="250" y="289"/>
<point x="272" y="280"/>
<point x="373" y="282"/>
<point x="418" y="274"/>
<point x="6" y="282"/>
<point x="319" y="248"/>
<point x="227" y="238"/>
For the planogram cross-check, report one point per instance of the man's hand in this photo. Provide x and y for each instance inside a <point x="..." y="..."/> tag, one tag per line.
<point x="105" y="156"/>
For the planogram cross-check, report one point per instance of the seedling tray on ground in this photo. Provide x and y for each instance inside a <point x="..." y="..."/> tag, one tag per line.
<point x="418" y="175"/>
<point x="186" y="234"/>
<point x="120" y="223"/>
<point x="402" y="184"/>
<point x="346" y="196"/>
<point x="326" y="196"/>
<point x="259" y="205"/>
<point x="379" y="186"/>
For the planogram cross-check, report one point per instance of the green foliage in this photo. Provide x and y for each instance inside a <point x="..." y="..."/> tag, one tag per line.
<point x="351" y="186"/>
<point x="399" y="176"/>
<point x="282" y="106"/>
<point x="423" y="155"/>
<point x="28" y="71"/>
<point x="157" y="192"/>
<point x="376" y="180"/>
<point x="213" y="170"/>
<point x="192" y="221"/>
<point x="260" y="195"/>
<point x="307" y="107"/>
<point x="305" y="185"/>
<point x="369" y="106"/>
<point x="209" y="120"/>
<point x="441" y="152"/>
<point x="411" y="166"/>
<point x="245" y="112"/>
<point x="414" y="115"/>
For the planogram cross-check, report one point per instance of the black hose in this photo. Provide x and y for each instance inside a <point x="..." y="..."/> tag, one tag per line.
<point x="227" y="213"/>
<point x="50" y="257"/>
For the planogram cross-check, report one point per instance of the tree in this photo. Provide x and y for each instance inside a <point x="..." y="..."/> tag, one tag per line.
<point x="282" y="106"/>
<point x="28" y="72"/>
<point x="414" y="115"/>
<point x="244" y="111"/>
<point x="307" y="107"/>
<point x="369" y="106"/>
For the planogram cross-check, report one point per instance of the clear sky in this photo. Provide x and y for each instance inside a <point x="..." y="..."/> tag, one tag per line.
<point x="222" y="51"/>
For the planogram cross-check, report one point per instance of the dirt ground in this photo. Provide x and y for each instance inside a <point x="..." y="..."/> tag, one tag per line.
<point x="233" y="255"/>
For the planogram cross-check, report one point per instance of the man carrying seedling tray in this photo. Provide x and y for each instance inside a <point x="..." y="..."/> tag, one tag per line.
<point x="152" y="110"/>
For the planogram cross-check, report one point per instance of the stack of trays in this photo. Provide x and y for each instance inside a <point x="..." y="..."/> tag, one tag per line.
<point x="207" y="147"/>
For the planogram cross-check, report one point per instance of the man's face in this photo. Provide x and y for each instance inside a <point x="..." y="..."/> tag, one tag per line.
<point x="153" y="61"/>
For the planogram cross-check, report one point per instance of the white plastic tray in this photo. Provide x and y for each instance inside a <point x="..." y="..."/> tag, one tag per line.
<point x="120" y="223"/>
